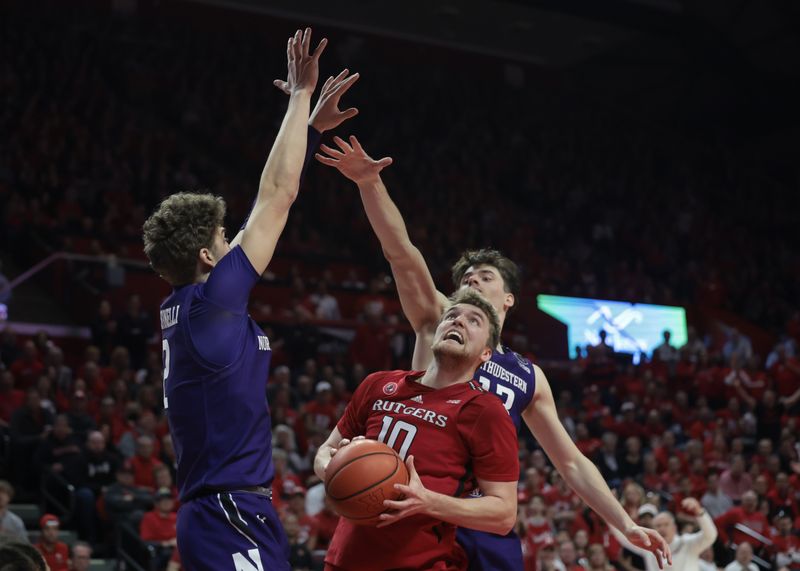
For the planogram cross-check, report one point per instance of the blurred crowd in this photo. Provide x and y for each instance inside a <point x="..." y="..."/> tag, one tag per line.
<point x="717" y="425"/>
<point x="106" y="113"/>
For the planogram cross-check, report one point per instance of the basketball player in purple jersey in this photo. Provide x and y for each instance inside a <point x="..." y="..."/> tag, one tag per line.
<point x="216" y="359"/>
<point x="521" y="385"/>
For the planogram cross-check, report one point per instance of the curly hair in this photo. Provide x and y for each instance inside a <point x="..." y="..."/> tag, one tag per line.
<point x="472" y="297"/>
<point x="508" y="270"/>
<point x="183" y="224"/>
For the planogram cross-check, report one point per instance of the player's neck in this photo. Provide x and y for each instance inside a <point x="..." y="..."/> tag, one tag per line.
<point x="445" y="372"/>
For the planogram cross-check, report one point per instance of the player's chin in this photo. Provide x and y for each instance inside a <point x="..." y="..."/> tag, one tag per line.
<point x="448" y="349"/>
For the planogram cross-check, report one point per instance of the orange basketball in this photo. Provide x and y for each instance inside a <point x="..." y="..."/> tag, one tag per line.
<point x="360" y="476"/>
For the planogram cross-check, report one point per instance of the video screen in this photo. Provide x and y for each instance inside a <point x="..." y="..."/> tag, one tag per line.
<point x="635" y="328"/>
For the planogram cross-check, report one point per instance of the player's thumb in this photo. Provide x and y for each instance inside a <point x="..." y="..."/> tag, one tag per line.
<point x="646" y="537"/>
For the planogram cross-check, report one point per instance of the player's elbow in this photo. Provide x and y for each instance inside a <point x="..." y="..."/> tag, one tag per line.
<point x="281" y="193"/>
<point x="506" y="521"/>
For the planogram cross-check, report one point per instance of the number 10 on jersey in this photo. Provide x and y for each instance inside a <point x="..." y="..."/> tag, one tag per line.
<point x="393" y="427"/>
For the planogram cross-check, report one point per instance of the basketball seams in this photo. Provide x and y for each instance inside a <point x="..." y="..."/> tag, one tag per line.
<point x="378" y="483"/>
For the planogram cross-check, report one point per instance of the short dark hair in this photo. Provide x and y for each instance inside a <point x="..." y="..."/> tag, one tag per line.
<point x="472" y="297"/>
<point x="183" y="224"/>
<point x="508" y="270"/>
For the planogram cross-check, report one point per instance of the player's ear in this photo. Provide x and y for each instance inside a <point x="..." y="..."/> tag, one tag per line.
<point x="487" y="354"/>
<point x="509" y="301"/>
<point x="205" y="258"/>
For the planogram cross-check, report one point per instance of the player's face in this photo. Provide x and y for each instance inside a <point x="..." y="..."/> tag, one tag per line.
<point x="463" y="332"/>
<point x="488" y="282"/>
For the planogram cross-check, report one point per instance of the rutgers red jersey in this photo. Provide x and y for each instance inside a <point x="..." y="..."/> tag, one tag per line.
<point x="456" y="434"/>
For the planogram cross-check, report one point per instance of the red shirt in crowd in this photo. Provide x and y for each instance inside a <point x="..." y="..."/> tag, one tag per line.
<point x="157" y="526"/>
<point x="58" y="558"/>
<point x="9" y="402"/>
<point x="756" y="521"/>
<point x="143" y="471"/>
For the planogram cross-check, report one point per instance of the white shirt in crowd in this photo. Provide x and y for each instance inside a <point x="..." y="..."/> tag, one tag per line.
<point x="686" y="548"/>
<point x="736" y="566"/>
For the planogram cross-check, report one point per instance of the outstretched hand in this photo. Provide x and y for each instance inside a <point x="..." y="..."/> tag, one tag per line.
<point x="415" y="498"/>
<point x="352" y="161"/>
<point x="650" y="540"/>
<point x="303" y="65"/>
<point x="326" y="114"/>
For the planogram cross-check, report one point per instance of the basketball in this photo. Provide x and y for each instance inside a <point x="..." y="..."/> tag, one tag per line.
<point x="360" y="477"/>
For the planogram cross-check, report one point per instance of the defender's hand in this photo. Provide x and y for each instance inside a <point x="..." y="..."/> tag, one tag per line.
<point x="303" y="65"/>
<point x="352" y="161"/>
<point x="326" y="114"/>
<point x="650" y="540"/>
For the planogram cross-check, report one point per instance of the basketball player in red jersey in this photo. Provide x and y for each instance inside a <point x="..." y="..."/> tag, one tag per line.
<point x="493" y="276"/>
<point x="454" y="437"/>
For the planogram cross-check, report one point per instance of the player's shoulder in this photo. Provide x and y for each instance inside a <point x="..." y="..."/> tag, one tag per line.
<point x="517" y="360"/>
<point x="387" y="382"/>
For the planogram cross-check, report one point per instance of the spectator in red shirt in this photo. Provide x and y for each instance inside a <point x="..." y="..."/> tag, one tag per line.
<point x="143" y="463"/>
<point x="781" y="497"/>
<point x="321" y="412"/>
<point x="666" y="450"/>
<point x="652" y="477"/>
<point x="746" y="515"/>
<point x="324" y="524"/>
<point x="585" y="442"/>
<point x="10" y="398"/>
<point x="55" y="552"/>
<point x="158" y="527"/>
<point x="533" y="485"/>
<point x="568" y="556"/>
<point x="785" y="544"/>
<point x="28" y="367"/>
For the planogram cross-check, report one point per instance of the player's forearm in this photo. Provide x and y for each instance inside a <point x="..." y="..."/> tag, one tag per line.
<point x="385" y="219"/>
<point x="487" y="513"/>
<point x="416" y="290"/>
<point x="584" y="477"/>
<point x="311" y="146"/>
<point x="281" y="174"/>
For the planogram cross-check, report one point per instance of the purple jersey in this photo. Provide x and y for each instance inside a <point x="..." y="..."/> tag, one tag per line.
<point x="216" y="363"/>
<point x="512" y="378"/>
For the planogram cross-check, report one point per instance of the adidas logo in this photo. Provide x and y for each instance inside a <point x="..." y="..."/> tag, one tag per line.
<point x="454" y="401"/>
<point x="417" y="398"/>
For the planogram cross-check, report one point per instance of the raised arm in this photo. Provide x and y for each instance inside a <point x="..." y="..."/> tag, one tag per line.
<point x="325" y="116"/>
<point x="280" y="179"/>
<point x="421" y="302"/>
<point x="580" y="473"/>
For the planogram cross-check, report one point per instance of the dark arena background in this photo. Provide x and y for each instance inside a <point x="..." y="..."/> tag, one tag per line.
<point x="638" y="159"/>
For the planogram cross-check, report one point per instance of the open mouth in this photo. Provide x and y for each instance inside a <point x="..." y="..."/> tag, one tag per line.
<point x="454" y="336"/>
